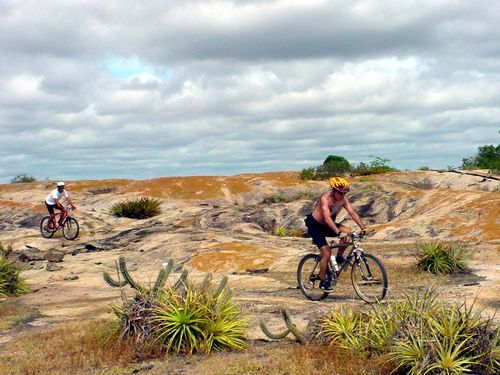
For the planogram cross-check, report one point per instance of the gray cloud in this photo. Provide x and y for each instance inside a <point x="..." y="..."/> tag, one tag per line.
<point x="132" y="89"/>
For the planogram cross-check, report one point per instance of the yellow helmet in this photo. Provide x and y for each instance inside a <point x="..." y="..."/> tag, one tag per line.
<point x="338" y="183"/>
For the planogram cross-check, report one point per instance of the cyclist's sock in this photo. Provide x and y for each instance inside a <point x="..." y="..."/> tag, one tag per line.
<point x="340" y="260"/>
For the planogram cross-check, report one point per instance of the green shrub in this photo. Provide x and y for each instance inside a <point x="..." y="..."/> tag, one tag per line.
<point x="441" y="258"/>
<point x="140" y="208"/>
<point x="280" y="231"/>
<point x="199" y="320"/>
<point x="419" y="335"/>
<point x="377" y="165"/>
<point x="424" y="168"/>
<point x="307" y="173"/>
<point x="22" y="178"/>
<point x="487" y="157"/>
<point x="181" y="318"/>
<point x="11" y="283"/>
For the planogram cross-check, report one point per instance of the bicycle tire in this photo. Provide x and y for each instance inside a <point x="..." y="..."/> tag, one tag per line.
<point x="308" y="277"/>
<point x="70" y="228"/>
<point x="44" y="229"/>
<point x="369" y="278"/>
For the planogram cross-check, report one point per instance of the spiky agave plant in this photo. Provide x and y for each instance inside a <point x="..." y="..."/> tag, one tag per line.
<point x="342" y="327"/>
<point x="441" y="258"/>
<point x="11" y="283"/>
<point x="200" y="318"/>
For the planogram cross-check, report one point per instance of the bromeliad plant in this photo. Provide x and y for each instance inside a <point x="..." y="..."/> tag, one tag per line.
<point x="441" y="258"/>
<point x="419" y="335"/>
<point x="183" y="318"/>
<point x="11" y="283"/>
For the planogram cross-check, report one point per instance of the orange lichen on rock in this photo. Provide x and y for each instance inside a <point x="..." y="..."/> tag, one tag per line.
<point x="485" y="217"/>
<point x="9" y="204"/>
<point x="232" y="257"/>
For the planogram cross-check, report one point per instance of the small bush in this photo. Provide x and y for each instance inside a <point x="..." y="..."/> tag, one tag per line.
<point x="22" y="178"/>
<point x="185" y="318"/>
<point x="441" y="258"/>
<point x="280" y="231"/>
<point x="11" y="283"/>
<point x="307" y="173"/>
<point x="424" y="168"/>
<point x="141" y="208"/>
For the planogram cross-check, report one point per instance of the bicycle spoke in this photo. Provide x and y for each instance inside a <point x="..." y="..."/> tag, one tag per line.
<point x="369" y="278"/>
<point x="308" y="278"/>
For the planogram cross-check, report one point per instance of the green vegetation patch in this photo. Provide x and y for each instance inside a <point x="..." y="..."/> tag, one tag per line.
<point x="22" y="178"/>
<point x="441" y="258"/>
<point x="140" y="208"/>
<point x="418" y="335"/>
<point x="11" y="283"/>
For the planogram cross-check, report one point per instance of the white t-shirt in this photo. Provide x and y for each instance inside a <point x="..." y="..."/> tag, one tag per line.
<point x="54" y="194"/>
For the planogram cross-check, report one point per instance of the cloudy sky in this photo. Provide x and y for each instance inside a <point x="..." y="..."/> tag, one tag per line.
<point x="139" y="89"/>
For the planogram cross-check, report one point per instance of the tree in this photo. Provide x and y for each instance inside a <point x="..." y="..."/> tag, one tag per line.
<point x="22" y="178"/>
<point x="487" y="157"/>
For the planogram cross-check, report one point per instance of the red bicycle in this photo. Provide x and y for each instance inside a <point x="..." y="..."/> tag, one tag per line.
<point x="69" y="226"/>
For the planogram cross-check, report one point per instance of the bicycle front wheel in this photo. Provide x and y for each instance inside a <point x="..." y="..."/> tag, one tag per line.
<point x="70" y="228"/>
<point x="308" y="277"/>
<point x="46" y="227"/>
<point x="369" y="278"/>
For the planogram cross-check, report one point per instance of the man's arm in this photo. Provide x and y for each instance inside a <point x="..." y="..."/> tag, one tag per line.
<point x="354" y="215"/>
<point x="70" y="202"/>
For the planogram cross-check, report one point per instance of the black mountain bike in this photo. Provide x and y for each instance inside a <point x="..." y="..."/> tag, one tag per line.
<point x="70" y="227"/>
<point x="368" y="275"/>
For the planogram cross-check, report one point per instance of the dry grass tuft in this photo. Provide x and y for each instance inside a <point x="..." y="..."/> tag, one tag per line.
<point x="73" y="348"/>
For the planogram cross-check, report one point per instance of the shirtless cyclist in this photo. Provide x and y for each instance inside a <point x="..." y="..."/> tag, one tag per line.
<point x="321" y="223"/>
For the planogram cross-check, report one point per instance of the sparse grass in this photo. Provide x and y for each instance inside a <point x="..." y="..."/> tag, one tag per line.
<point x="74" y="348"/>
<point x="14" y="313"/>
<point x="104" y="190"/>
<point x="291" y="359"/>
<point x="290" y="196"/>
<point x="441" y="258"/>
<point x="140" y="208"/>
<point x="424" y="184"/>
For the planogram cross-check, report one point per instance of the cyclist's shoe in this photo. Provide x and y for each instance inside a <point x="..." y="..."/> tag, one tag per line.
<point x="340" y="260"/>
<point x="326" y="285"/>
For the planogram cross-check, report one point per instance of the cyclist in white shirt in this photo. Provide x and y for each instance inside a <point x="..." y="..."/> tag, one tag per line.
<point x="53" y="201"/>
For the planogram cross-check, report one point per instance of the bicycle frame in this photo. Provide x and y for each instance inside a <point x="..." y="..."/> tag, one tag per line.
<point x="355" y="252"/>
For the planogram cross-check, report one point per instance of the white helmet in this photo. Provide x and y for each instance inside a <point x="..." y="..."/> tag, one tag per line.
<point x="60" y="184"/>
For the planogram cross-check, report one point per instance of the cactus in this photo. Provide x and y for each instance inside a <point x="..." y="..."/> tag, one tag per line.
<point x="160" y="280"/>
<point x="162" y="277"/>
<point x="116" y="284"/>
<point x="277" y="336"/>
<point x="290" y="328"/>
<point x="221" y="287"/>
<point x="181" y="281"/>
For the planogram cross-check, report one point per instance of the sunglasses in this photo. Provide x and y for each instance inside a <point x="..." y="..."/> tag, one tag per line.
<point x="340" y="192"/>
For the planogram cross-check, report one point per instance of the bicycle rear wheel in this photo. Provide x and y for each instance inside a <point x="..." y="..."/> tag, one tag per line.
<point x="369" y="278"/>
<point x="46" y="227"/>
<point x="308" y="277"/>
<point x="70" y="228"/>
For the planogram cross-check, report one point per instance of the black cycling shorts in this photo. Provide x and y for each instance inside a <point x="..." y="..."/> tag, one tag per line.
<point x="51" y="207"/>
<point x="319" y="231"/>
